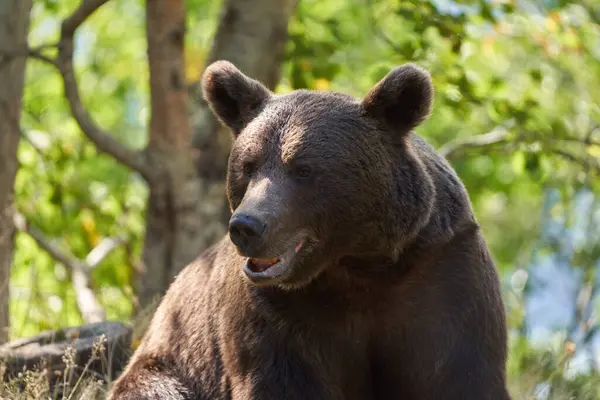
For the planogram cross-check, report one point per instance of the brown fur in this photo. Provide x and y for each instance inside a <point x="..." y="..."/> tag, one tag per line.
<point x="393" y="295"/>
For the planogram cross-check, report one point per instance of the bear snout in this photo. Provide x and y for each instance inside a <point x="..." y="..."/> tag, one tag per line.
<point x="247" y="232"/>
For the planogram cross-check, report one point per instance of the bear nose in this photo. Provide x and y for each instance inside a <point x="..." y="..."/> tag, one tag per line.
<point x="246" y="231"/>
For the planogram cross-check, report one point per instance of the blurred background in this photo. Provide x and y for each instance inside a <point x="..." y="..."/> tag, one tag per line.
<point x="112" y="169"/>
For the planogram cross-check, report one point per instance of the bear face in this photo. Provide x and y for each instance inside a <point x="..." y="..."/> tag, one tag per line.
<point x="317" y="177"/>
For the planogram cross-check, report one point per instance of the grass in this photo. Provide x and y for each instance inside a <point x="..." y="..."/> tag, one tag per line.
<point x="35" y="384"/>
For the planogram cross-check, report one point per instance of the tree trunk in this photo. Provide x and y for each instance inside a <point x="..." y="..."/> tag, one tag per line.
<point x="172" y="202"/>
<point x="187" y="208"/>
<point x="14" y="26"/>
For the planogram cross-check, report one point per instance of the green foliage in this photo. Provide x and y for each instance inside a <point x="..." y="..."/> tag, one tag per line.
<point x="527" y="72"/>
<point x="68" y="190"/>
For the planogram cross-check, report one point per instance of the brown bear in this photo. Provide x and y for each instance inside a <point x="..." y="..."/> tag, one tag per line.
<point x="354" y="267"/>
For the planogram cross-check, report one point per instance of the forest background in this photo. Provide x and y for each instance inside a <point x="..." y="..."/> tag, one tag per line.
<point x="112" y="168"/>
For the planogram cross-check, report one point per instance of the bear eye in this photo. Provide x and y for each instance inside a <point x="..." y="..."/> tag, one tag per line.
<point x="248" y="168"/>
<point x="303" y="172"/>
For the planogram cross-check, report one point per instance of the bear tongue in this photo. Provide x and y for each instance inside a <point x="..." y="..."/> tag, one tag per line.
<point x="262" y="264"/>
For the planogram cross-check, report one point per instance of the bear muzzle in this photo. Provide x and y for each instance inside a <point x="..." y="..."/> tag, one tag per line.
<point x="277" y="268"/>
<point x="272" y="254"/>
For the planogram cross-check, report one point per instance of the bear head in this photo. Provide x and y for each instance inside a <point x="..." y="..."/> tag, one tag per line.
<point x="317" y="177"/>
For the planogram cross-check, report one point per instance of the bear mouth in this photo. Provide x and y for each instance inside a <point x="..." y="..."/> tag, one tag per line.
<point x="260" y="269"/>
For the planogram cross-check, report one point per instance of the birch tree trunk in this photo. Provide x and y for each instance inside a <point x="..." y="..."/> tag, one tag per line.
<point x="14" y="26"/>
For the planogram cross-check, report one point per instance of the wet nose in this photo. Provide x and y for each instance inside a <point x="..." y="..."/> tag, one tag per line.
<point x="246" y="231"/>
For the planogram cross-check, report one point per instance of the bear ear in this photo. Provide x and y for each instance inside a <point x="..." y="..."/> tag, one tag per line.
<point x="231" y="95"/>
<point x="402" y="100"/>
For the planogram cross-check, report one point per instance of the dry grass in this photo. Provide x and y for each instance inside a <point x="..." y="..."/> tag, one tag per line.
<point x="35" y="385"/>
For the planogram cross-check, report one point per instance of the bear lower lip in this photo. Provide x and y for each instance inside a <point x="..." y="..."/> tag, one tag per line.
<point x="261" y="264"/>
<point x="260" y="269"/>
<point x="272" y="271"/>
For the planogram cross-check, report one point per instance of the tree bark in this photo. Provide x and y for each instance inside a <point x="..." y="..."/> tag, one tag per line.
<point x="171" y="220"/>
<point x="14" y="26"/>
<point x="187" y="208"/>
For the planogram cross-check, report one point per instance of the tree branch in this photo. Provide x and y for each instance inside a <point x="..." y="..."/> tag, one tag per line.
<point x="498" y="135"/>
<point x="100" y="252"/>
<point x="587" y="162"/>
<point x="85" y="9"/>
<point x="89" y="306"/>
<point x="103" y="140"/>
<point x="37" y="54"/>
